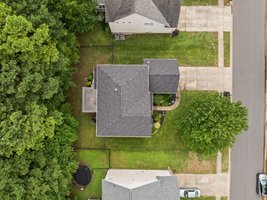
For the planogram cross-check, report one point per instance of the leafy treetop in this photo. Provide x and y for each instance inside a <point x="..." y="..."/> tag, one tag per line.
<point x="210" y="122"/>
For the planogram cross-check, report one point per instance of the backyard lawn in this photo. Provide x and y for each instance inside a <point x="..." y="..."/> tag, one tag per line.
<point x="189" y="48"/>
<point x="199" y="2"/>
<point x="225" y="160"/>
<point x="98" y="162"/>
<point x="100" y="35"/>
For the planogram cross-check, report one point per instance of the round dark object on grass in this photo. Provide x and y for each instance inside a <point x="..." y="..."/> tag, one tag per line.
<point x="83" y="175"/>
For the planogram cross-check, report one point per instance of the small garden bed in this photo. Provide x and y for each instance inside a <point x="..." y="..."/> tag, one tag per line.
<point x="164" y="99"/>
<point x="158" y="119"/>
<point x="90" y="80"/>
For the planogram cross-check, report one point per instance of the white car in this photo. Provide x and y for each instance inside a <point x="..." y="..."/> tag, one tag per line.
<point x="262" y="184"/>
<point x="189" y="192"/>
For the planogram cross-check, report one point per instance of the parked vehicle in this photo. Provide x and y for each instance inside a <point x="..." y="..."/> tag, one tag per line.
<point x="262" y="185"/>
<point x="189" y="192"/>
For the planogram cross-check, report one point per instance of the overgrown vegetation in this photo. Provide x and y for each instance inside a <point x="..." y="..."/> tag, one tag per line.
<point x="37" y="50"/>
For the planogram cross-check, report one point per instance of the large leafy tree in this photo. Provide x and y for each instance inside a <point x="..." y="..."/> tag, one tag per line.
<point x="210" y="122"/>
<point x="37" y="50"/>
<point x="27" y="80"/>
<point x="78" y="15"/>
<point x="45" y="173"/>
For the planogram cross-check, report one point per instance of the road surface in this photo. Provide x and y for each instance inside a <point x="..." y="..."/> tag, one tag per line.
<point x="248" y="87"/>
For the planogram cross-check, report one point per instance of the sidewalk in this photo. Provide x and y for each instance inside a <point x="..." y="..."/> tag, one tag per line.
<point x="205" y="18"/>
<point x="209" y="184"/>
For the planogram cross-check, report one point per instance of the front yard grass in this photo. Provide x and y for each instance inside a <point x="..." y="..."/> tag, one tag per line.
<point x="189" y="48"/>
<point x="203" y="198"/>
<point x="199" y="3"/>
<point x="225" y="160"/>
<point x="226" y="39"/>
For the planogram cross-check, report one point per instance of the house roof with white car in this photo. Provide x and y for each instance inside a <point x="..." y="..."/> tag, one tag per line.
<point x="121" y="184"/>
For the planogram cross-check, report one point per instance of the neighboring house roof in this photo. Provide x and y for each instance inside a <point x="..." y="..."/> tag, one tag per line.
<point x="162" y="11"/>
<point x="124" y="103"/>
<point x="163" y="75"/>
<point x="140" y="185"/>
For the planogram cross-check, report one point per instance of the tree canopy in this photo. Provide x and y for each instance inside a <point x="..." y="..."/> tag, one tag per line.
<point x="45" y="173"/>
<point x="38" y="47"/>
<point x="210" y="122"/>
<point x="28" y="79"/>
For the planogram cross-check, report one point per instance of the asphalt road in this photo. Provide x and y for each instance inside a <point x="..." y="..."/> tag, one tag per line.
<point x="248" y="86"/>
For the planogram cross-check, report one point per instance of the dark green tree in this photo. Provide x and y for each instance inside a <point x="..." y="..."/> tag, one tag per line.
<point x="46" y="173"/>
<point x="78" y="15"/>
<point x="210" y="122"/>
<point x="27" y="80"/>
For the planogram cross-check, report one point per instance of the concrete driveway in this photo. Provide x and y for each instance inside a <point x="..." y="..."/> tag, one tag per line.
<point x="205" y="18"/>
<point x="209" y="184"/>
<point x="206" y="78"/>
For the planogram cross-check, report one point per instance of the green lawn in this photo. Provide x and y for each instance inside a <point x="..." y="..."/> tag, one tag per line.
<point x="199" y="2"/>
<point x="223" y="198"/>
<point x="203" y="198"/>
<point x="98" y="162"/>
<point x="100" y="35"/>
<point x="190" y="49"/>
<point x="226" y="38"/>
<point x="176" y="160"/>
<point x="225" y="160"/>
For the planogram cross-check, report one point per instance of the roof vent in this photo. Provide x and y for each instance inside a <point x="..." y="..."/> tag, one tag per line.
<point x="116" y="89"/>
<point x="148" y="62"/>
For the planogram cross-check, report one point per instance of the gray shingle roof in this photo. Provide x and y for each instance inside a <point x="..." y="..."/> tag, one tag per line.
<point x="166" y="188"/>
<point x="162" y="11"/>
<point x="163" y="75"/>
<point x="123" y="101"/>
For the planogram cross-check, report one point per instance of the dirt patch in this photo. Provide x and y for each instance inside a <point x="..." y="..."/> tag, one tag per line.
<point x="195" y="165"/>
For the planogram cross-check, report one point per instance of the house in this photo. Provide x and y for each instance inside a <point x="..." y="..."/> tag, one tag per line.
<point x="120" y="184"/>
<point x="141" y="16"/>
<point x="122" y="96"/>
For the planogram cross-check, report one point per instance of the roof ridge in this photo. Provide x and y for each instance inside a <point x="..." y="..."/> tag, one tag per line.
<point x="137" y="74"/>
<point x="115" y="117"/>
<point x="159" y="12"/>
<point x="122" y="3"/>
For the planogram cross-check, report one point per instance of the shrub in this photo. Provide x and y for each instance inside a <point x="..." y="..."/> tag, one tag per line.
<point x="90" y="77"/>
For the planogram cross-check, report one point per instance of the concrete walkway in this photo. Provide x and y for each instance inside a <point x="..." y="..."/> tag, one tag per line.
<point x="206" y="78"/>
<point x="205" y="18"/>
